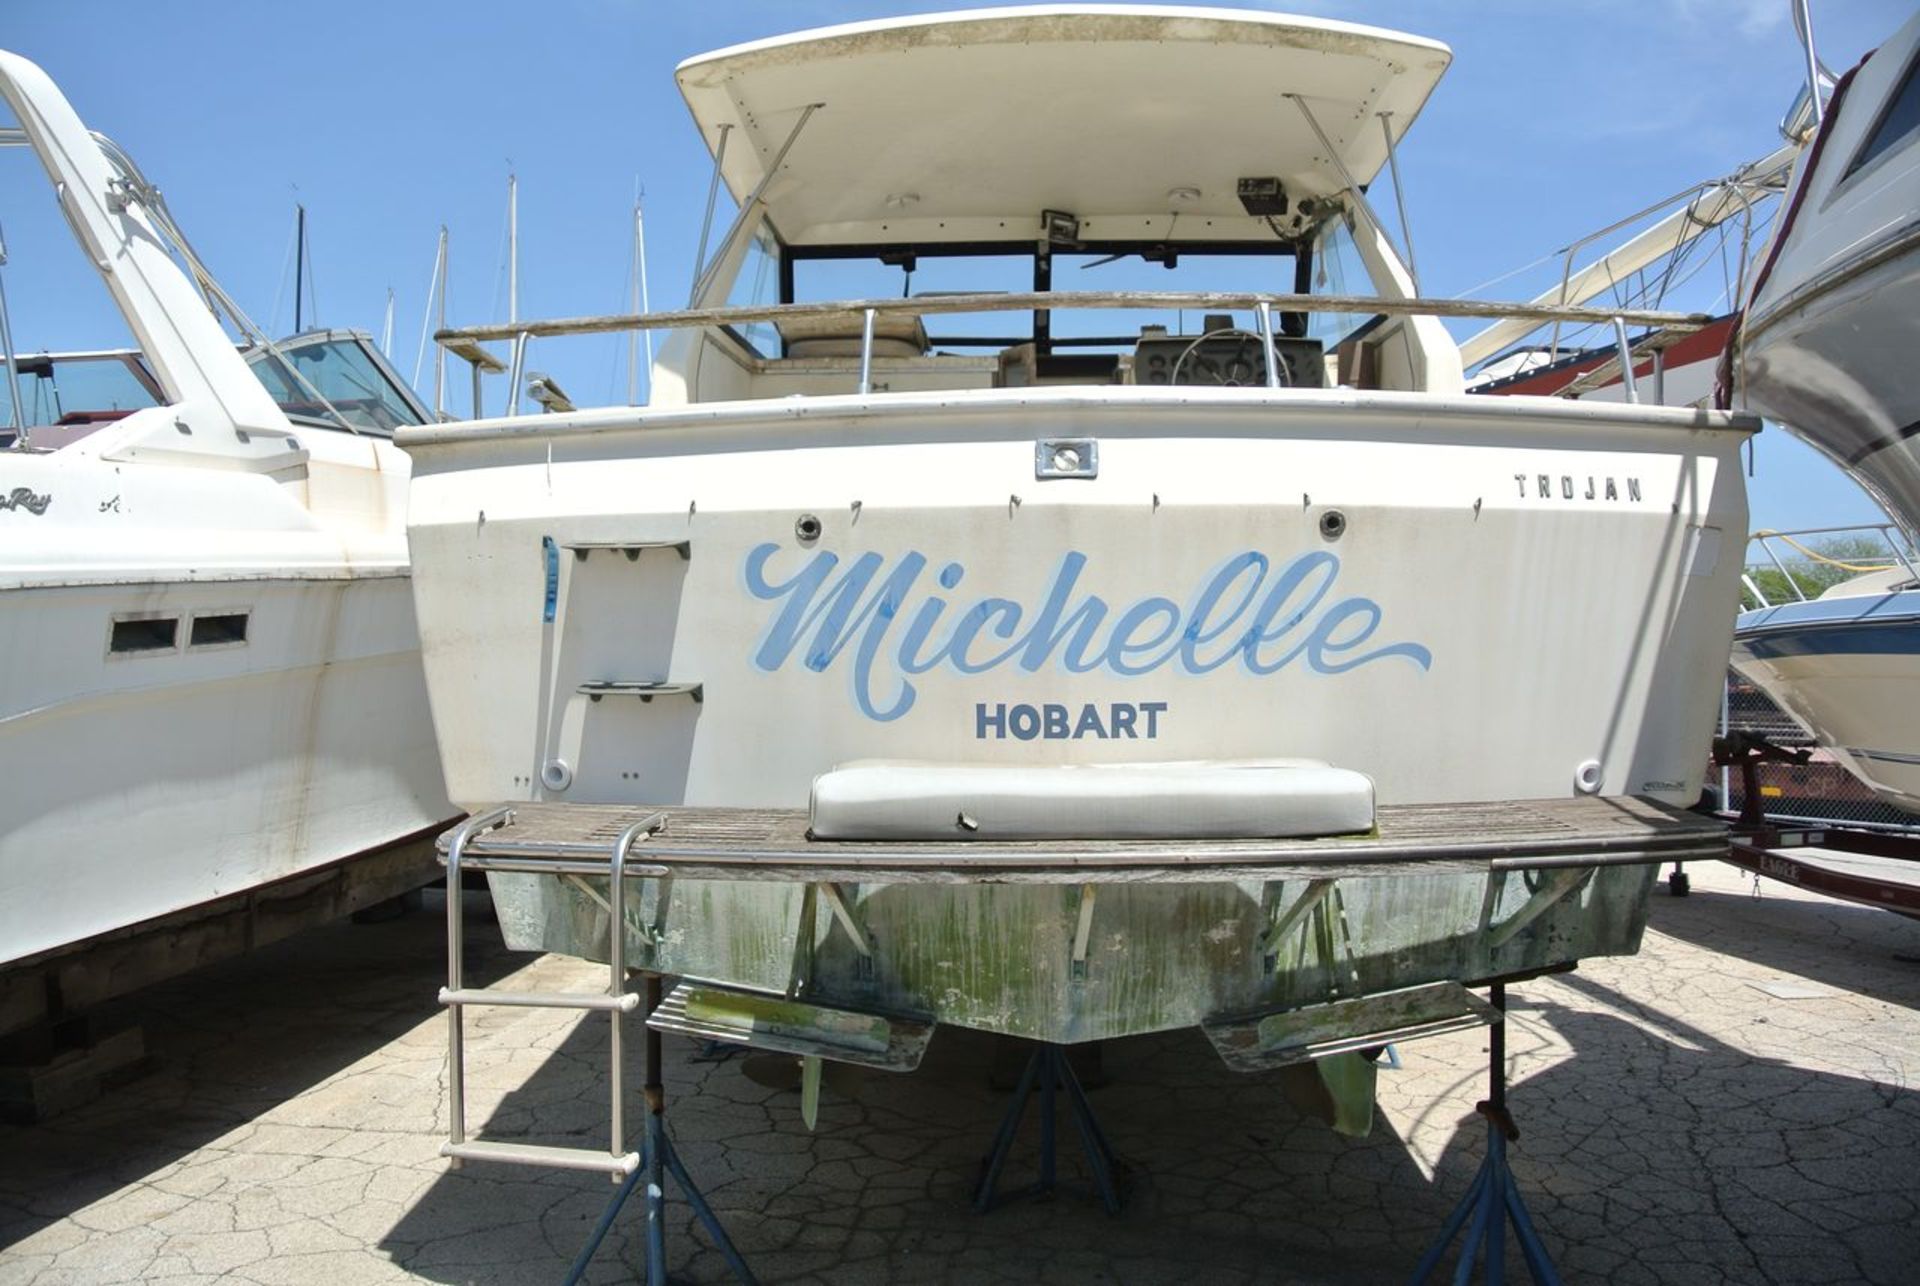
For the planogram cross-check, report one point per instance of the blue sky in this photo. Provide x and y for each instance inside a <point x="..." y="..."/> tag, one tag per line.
<point x="389" y="119"/>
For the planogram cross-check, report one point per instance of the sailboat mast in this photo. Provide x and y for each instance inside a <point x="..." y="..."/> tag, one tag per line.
<point x="637" y="302"/>
<point x="436" y="290"/>
<point x="299" y="260"/>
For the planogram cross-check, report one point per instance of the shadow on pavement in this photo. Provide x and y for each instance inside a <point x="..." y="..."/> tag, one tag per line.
<point x="1655" y="1153"/>
<point x="231" y="1043"/>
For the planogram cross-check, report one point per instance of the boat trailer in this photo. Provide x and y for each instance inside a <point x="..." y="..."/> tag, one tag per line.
<point x="1558" y="843"/>
<point x="1871" y="865"/>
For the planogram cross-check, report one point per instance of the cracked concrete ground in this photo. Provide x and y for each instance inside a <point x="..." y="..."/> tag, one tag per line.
<point x="1737" y="1103"/>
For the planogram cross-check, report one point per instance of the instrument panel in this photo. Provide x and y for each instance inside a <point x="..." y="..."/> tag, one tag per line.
<point x="1226" y="359"/>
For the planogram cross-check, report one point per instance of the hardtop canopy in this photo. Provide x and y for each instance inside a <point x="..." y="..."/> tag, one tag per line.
<point x="1138" y="119"/>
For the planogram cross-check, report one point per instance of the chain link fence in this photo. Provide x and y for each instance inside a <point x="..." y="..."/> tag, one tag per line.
<point x="1820" y="789"/>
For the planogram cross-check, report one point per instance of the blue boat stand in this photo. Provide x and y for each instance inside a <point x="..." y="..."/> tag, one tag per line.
<point x="1493" y="1199"/>
<point x="1049" y="1069"/>
<point x="1491" y="1202"/>
<point x="659" y="1160"/>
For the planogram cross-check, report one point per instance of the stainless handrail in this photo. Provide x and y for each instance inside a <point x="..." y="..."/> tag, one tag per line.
<point x="524" y="332"/>
<point x="1889" y="533"/>
<point x="866" y="352"/>
<point x="1625" y="358"/>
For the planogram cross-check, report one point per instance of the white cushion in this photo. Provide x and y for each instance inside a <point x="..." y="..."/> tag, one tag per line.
<point x="1200" y="799"/>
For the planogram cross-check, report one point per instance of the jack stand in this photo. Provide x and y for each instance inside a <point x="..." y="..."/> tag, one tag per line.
<point x="1493" y="1198"/>
<point x="1049" y="1067"/>
<point x="660" y="1160"/>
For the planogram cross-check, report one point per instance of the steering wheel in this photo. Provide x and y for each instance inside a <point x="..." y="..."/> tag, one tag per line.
<point x="1240" y="367"/>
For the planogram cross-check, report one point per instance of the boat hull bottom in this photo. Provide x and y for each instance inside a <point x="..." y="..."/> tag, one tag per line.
<point x="1074" y="963"/>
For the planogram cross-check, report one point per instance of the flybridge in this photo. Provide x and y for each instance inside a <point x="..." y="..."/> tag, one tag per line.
<point x="1226" y="139"/>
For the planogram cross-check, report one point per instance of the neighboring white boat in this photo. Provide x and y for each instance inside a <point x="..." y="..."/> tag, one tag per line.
<point x="1825" y="346"/>
<point x="1845" y="663"/>
<point x="212" y="674"/>
<point x="1828" y="341"/>
<point x="1020" y="539"/>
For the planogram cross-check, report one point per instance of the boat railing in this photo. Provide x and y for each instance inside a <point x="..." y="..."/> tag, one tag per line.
<point x="1808" y="567"/>
<point x="469" y="342"/>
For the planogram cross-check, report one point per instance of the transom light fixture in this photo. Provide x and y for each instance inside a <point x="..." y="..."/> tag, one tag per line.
<point x="1183" y="195"/>
<point x="901" y="200"/>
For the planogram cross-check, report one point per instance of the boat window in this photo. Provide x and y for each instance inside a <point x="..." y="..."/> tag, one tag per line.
<point x="1898" y="120"/>
<point x="931" y="275"/>
<point x="1185" y="269"/>
<point x="1337" y="270"/>
<point x="343" y="372"/>
<point x="758" y="283"/>
<point x="926" y="273"/>
<point x="73" y="389"/>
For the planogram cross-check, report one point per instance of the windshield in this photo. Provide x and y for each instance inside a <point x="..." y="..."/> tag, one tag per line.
<point x="1337" y="270"/>
<point x="758" y="283"/>
<point x="77" y="388"/>
<point x="344" y="371"/>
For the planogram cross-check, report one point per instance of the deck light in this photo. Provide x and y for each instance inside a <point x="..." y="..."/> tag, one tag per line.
<point x="1062" y="229"/>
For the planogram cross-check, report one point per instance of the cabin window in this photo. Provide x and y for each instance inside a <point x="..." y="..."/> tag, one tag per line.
<point x="758" y="285"/>
<point x="1898" y="120"/>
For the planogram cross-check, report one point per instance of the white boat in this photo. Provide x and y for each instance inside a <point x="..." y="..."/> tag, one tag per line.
<point x="1826" y="346"/>
<point x="212" y="676"/>
<point x="1022" y="547"/>
<point x="1846" y="661"/>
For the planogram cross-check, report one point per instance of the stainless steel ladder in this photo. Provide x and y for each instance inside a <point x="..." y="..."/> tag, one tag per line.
<point x="616" y="1002"/>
